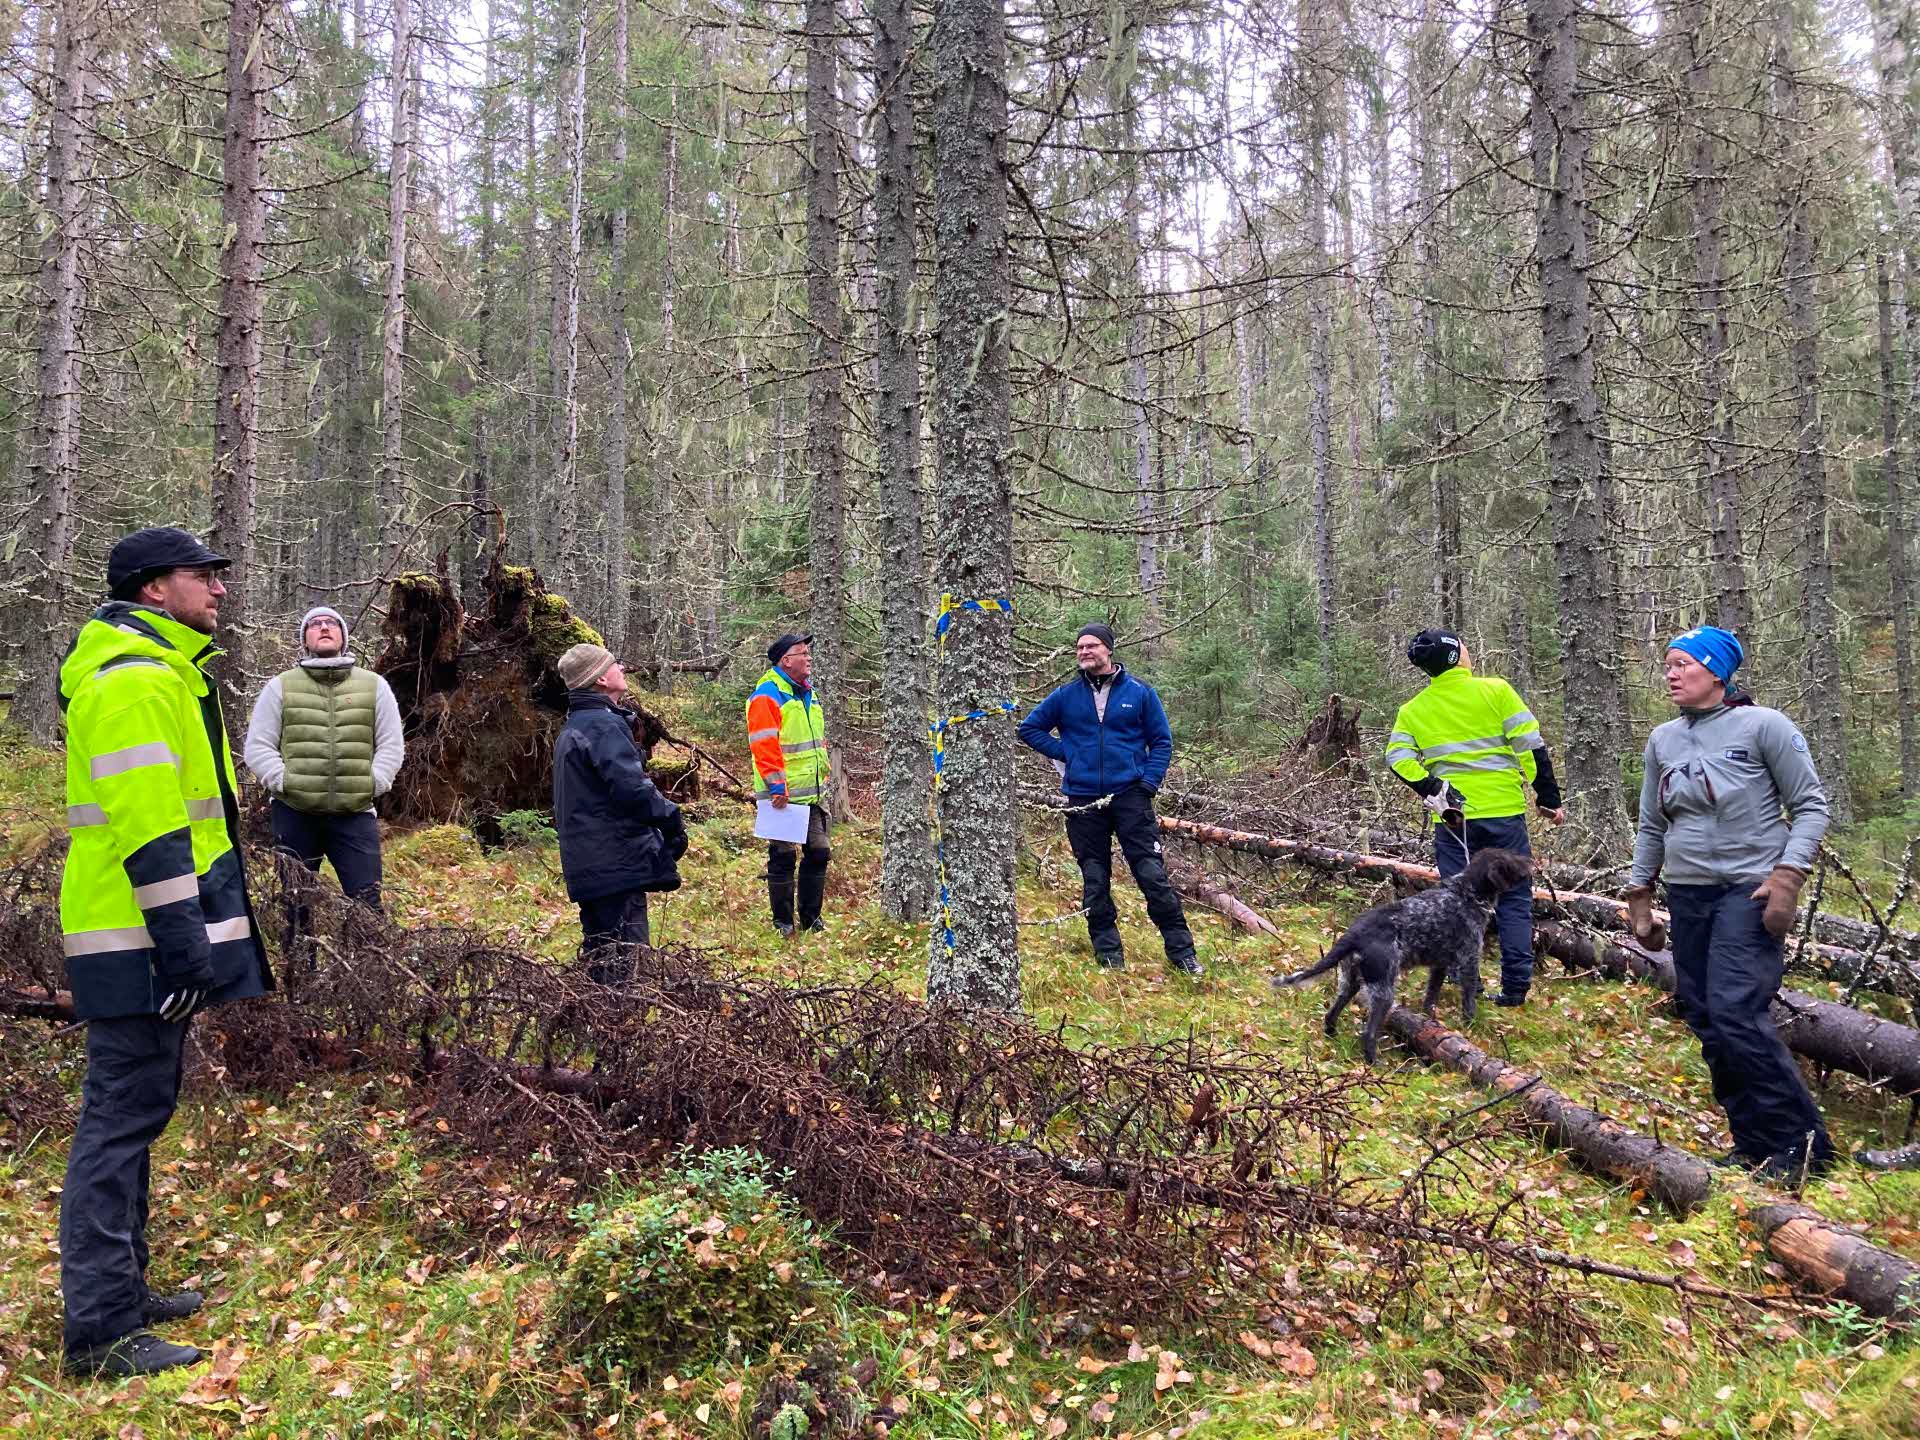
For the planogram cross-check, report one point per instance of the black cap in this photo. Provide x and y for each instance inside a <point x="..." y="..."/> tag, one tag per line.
<point x="137" y="558"/>
<point x="1435" y="651"/>
<point x="1100" y="632"/>
<point x="784" y="644"/>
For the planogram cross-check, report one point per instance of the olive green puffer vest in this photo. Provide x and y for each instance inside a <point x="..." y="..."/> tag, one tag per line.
<point x="326" y="738"/>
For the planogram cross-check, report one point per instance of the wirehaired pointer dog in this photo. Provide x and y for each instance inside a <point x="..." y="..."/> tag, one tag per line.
<point x="1443" y="928"/>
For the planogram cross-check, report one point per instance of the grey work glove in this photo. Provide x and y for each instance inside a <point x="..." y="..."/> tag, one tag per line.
<point x="1446" y="801"/>
<point x="180" y="1004"/>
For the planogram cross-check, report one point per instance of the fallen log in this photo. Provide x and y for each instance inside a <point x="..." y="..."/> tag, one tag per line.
<point x="1836" y="1036"/>
<point x="1195" y="885"/>
<point x="1599" y="910"/>
<point x="1677" y="1179"/>
<point x="1838" y="1261"/>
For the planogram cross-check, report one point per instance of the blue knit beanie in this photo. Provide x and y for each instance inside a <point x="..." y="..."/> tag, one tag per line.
<point x="1719" y="650"/>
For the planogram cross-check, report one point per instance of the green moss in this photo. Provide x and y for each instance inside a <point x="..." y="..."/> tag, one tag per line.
<point x="556" y="629"/>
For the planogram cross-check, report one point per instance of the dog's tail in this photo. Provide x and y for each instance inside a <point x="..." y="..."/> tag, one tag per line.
<point x="1328" y="960"/>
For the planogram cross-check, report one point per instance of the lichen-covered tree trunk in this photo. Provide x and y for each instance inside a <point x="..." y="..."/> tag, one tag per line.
<point x="906" y="857"/>
<point x="1713" y="415"/>
<point x="1826" y="703"/>
<point x="826" y="399"/>
<point x="613" y="579"/>
<point x="391" y="489"/>
<point x="1436" y="382"/>
<point x="975" y="954"/>
<point x="236" y="400"/>
<point x="56" y="439"/>
<point x="1380" y="241"/>
<point x="1577" y="483"/>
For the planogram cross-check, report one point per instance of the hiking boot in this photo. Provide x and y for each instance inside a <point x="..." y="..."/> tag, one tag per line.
<point x="1110" y="959"/>
<point x="1791" y="1168"/>
<point x="1511" y="1002"/>
<point x="786" y="930"/>
<point x="141" y="1353"/>
<point x="1187" y="965"/>
<point x="816" y="924"/>
<point x="162" y="1308"/>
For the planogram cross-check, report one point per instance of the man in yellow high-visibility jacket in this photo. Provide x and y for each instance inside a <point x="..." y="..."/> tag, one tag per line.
<point x="155" y="918"/>
<point x="1469" y="747"/>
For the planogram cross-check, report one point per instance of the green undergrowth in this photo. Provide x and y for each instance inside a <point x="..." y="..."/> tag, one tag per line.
<point x="369" y="1277"/>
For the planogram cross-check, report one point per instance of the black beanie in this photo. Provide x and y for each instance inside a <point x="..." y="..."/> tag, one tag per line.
<point x="1102" y="633"/>
<point x="1434" y="651"/>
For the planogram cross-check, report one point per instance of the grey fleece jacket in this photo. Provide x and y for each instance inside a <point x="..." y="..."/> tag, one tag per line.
<point x="1716" y="781"/>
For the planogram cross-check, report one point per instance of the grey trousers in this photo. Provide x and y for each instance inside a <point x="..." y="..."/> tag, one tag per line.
<point x="132" y="1086"/>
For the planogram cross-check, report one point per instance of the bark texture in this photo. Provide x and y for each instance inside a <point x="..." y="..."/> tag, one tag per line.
<point x="980" y="963"/>
<point x="906" y="862"/>
<point x="236" y="400"/>
<point x="1578" y="485"/>
<point x="826" y="397"/>
<point x="391" y="489"/>
<point x="1677" y="1179"/>
<point x="1826" y="702"/>
<point x="56" y="440"/>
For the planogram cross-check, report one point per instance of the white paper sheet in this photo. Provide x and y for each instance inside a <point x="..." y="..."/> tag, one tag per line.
<point x="789" y="824"/>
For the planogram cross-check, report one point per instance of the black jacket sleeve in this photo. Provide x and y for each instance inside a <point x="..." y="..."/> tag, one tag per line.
<point x="1546" y="789"/>
<point x="618" y="764"/>
<point x="1425" y="786"/>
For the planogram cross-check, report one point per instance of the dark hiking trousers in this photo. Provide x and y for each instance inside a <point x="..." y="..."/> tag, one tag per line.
<point x="132" y="1086"/>
<point x="812" y="859"/>
<point x="351" y="842"/>
<point x="1726" y="970"/>
<point x="1128" y="819"/>
<point x="1513" y="916"/>
<point x="610" y="924"/>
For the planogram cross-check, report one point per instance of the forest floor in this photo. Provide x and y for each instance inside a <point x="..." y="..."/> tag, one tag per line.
<point x="408" y="1300"/>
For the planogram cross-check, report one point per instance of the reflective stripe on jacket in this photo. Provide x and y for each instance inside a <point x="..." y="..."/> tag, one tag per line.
<point x="1475" y="733"/>
<point x="787" y="731"/>
<point x="153" y="897"/>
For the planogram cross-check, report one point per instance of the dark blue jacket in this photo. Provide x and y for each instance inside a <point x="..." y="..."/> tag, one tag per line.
<point x="617" y="831"/>
<point x="1133" y="746"/>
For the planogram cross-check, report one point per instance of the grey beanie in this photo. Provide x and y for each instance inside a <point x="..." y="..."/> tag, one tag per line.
<point x="583" y="664"/>
<point x="324" y="612"/>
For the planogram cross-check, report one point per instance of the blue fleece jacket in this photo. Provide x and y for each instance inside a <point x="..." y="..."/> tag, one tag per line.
<point x="1132" y="746"/>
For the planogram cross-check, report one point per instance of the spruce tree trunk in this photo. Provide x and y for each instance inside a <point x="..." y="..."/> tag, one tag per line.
<point x="480" y="476"/>
<point x="236" y="400"/>
<point x="614" y="580"/>
<point x="1436" y="381"/>
<point x="56" y="439"/>
<point x="1320" y="293"/>
<point x="826" y="400"/>
<point x="566" y="498"/>
<point x="1900" y="583"/>
<point x="1713" y="417"/>
<point x="1577" y="484"/>
<point x="531" y="507"/>
<point x="391" y="489"/>
<point x="1826" y="704"/>
<point x="906" y="858"/>
<point x="1896" y="35"/>
<point x="975" y="951"/>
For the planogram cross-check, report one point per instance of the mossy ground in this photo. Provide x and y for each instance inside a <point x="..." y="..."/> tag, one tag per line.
<point x="408" y="1304"/>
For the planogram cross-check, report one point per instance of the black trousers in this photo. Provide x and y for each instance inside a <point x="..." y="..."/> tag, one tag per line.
<point x="1726" y="970"/>
<point x="1514" y="914"/>
<point x="609" y="924"/>
<point x="129" y="1095"/>
<point x="1130" y="820"/>
<point x="351" y="842"/>
<point x="811" y="858"/>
